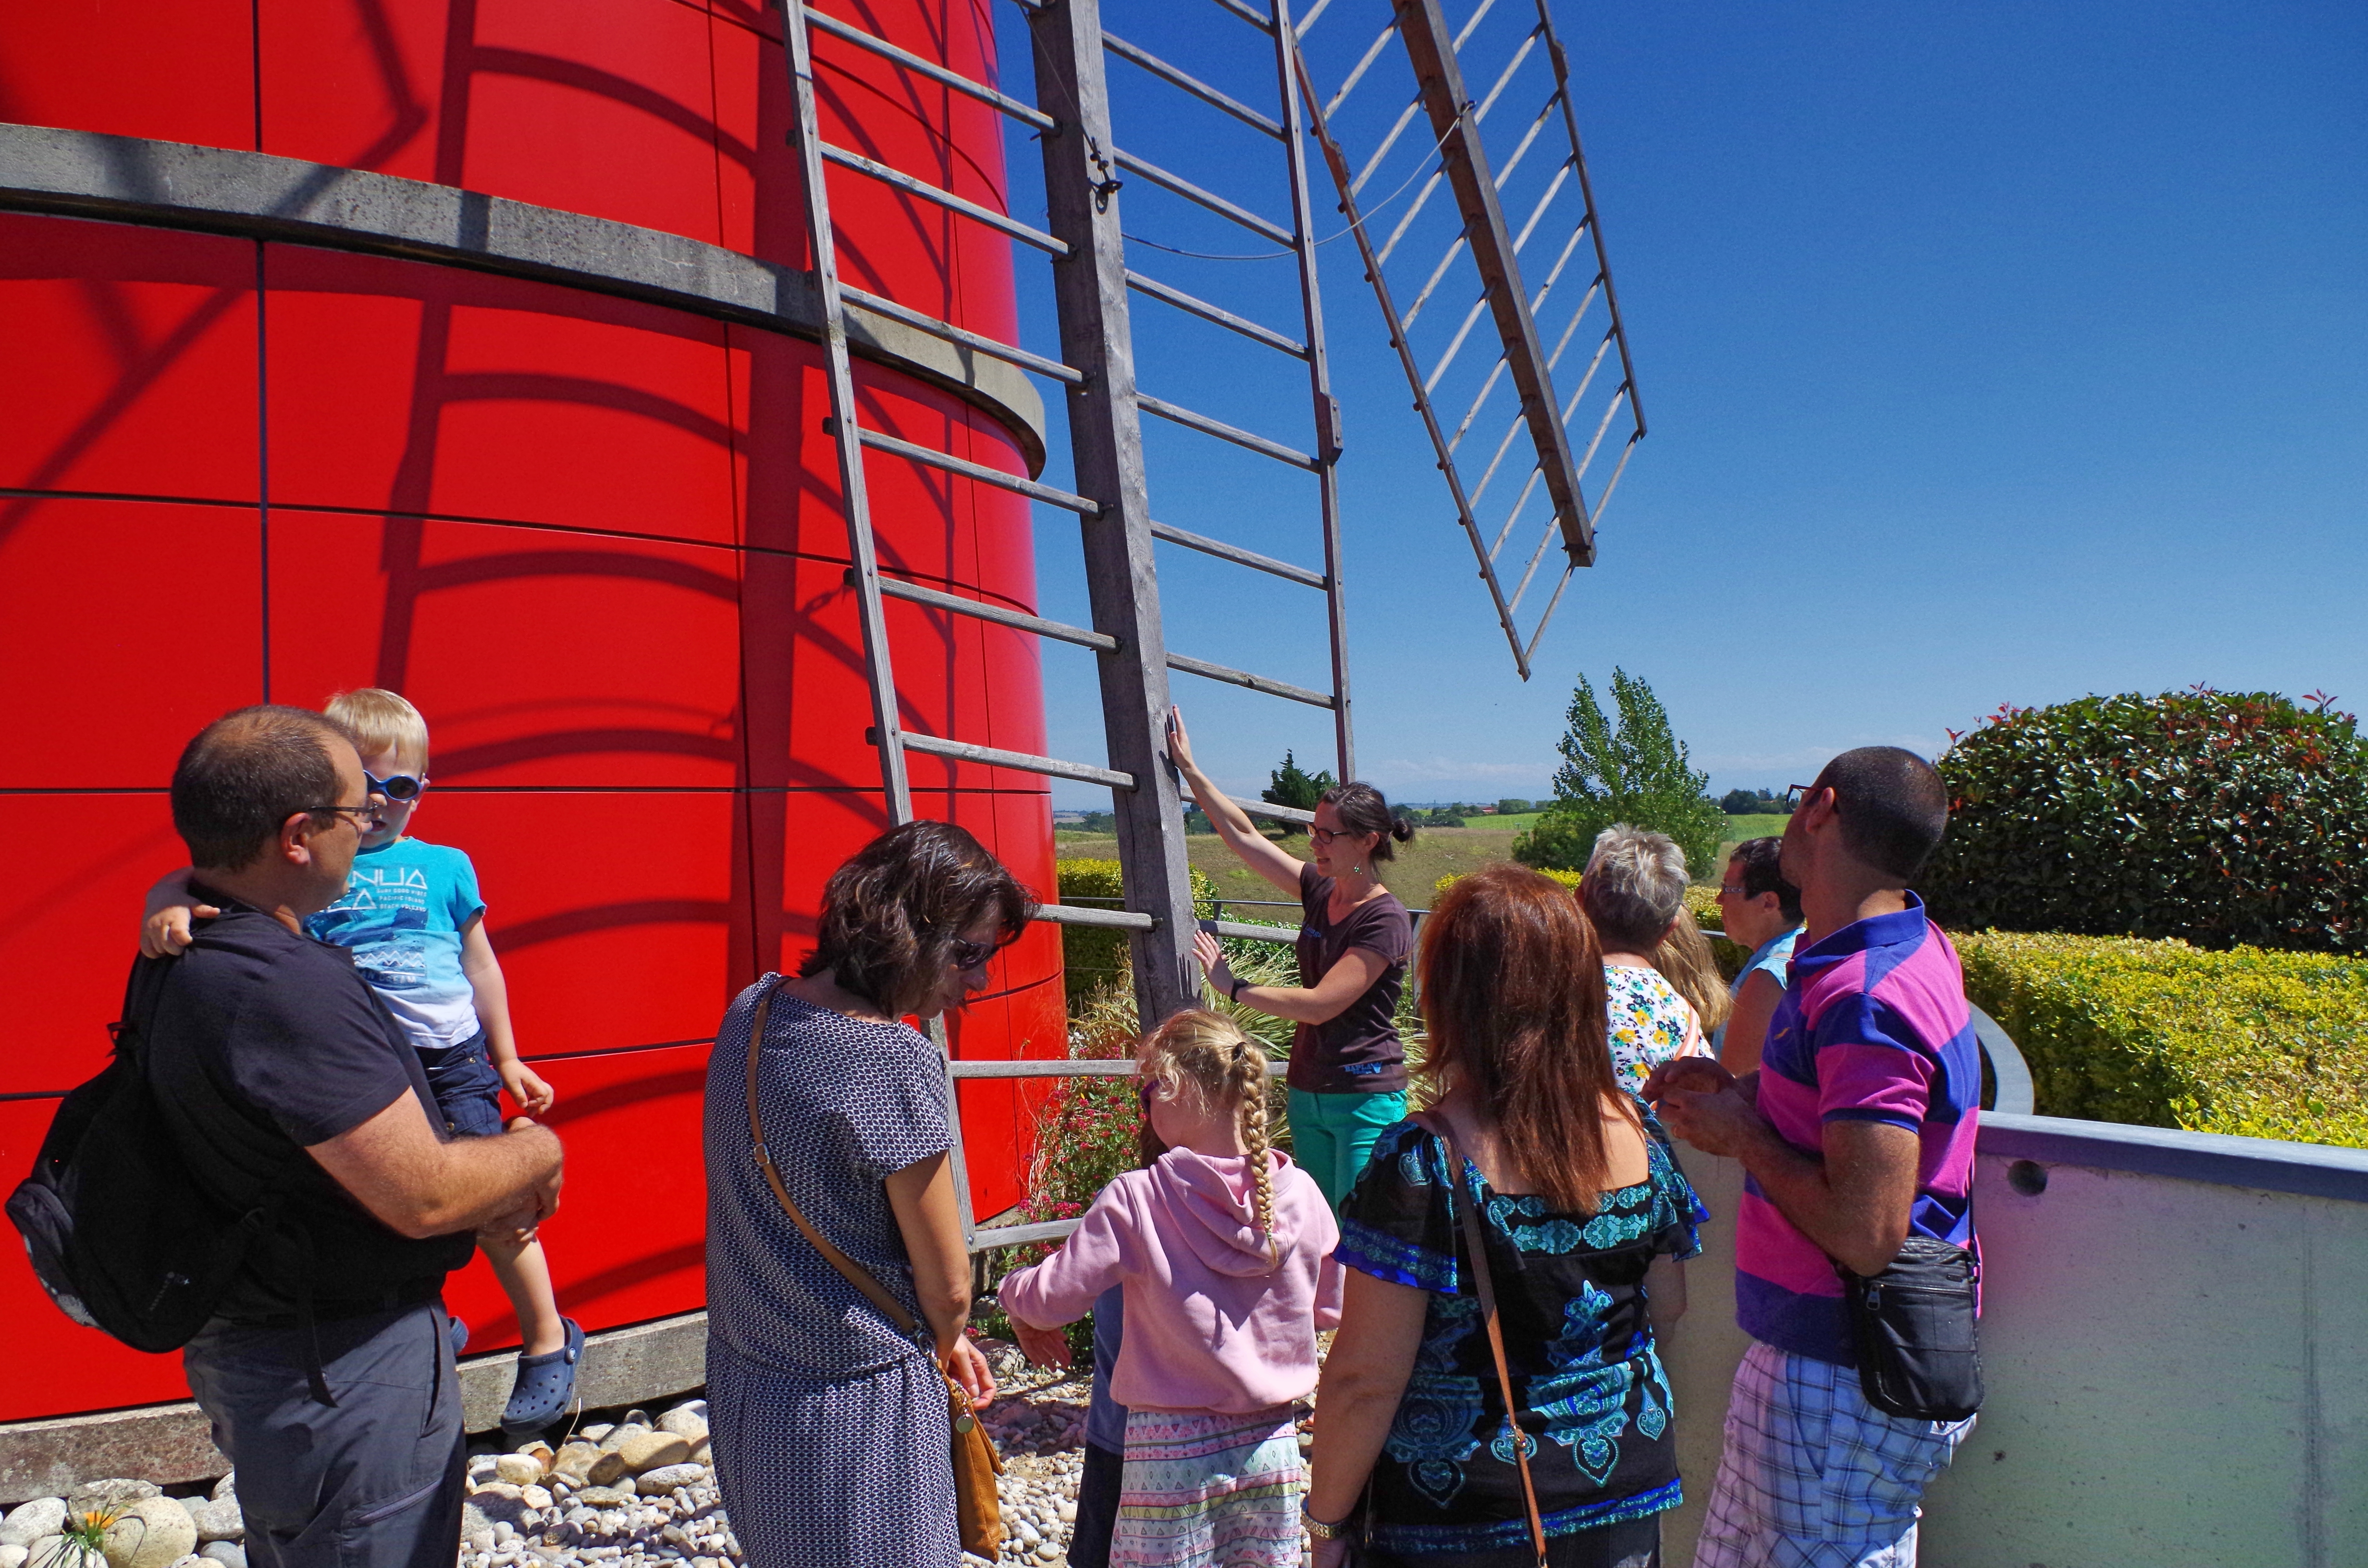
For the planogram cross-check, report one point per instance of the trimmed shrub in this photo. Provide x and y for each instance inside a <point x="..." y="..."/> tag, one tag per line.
<point x="1096" y="956"/>
<point x="2251" y="1041"/>
<point x="2216" y="817"/>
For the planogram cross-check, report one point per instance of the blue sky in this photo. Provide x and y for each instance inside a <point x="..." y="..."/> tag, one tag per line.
<point x="1992" y="354"/>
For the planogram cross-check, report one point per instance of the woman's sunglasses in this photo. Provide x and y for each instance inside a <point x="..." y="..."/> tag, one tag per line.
<point x="972" y="955"/>
<point x="398" y="787"/>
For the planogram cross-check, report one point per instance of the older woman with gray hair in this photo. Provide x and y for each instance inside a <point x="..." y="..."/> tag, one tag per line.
<point x="1634" y="891"/>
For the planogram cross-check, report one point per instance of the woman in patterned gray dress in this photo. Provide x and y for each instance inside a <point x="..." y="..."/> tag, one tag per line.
<point x="830" y="1426"/>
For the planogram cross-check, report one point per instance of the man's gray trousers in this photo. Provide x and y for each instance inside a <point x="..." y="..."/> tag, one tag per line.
<point x="372" y="1481"/>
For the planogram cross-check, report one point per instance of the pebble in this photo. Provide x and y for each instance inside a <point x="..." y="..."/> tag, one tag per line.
<point x="217" y="1518"/>
<point x="28" y="1522"/>
<point x="583" y="1505"/>
<point x="151" y="1532"/>
<point x="119" y="1490"/>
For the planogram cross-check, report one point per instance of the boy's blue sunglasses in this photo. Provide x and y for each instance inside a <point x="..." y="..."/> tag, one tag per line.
<point x="400" y="787"/>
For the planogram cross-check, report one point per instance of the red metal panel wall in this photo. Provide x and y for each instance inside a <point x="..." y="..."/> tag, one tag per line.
<point x="597" y="541"/>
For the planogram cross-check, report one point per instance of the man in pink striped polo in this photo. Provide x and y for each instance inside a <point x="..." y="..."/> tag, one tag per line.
<point x="1857" y="1132"/>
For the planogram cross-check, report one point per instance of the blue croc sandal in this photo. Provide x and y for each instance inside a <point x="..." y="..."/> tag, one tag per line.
<point x="457" y="1333"/>
<point x="545" y="1386"/>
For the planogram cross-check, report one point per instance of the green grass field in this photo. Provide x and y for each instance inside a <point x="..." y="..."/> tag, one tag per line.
<point x="1436" y="852"/>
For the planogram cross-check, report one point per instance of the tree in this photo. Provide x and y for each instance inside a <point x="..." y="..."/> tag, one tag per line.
<point x="1511" y="808"/>
<point x="1637" y="772"/>
<point x="1294" y="785"/>
<point x="1741" y="802"/>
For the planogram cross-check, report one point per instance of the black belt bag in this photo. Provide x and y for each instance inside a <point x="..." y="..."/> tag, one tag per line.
<point x="1918" y="1357"/>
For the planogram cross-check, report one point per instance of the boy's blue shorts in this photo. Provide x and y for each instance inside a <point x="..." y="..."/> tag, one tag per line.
<point x="468" y="1091"/>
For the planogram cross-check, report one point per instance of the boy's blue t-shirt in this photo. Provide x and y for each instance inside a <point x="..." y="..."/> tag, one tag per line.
<point x="401" y="915"/>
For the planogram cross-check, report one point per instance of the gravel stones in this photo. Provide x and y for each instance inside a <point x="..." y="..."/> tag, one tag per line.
<point x="13" y="1556"/>
<point x="229" y="1553"/>
<point x="650" y="1449"/>
<point x="584" y="1465"/>
<point x="28" y="1522"/>
<point x="666" y="1478"/>
<point x="106" y="1493"/>
<point x="688" y="1421"/>
<point x="151" y="1532"/>
<point x="518" y="1469"/>
<point x="217" y="1518"/>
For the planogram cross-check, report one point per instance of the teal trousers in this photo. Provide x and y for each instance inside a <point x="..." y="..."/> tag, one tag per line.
<point x="1331" y="1135"/>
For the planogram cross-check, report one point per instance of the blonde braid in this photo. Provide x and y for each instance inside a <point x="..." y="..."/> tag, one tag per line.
<point x="1207" y="1055"/>
<point x="1249" y="1085"/>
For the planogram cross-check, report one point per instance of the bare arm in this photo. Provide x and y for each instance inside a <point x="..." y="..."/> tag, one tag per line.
<point x="922" y="1197"/>
<point x="1259" y="853"/>
<point x="491" y="994"/>
<point x="1365" y="1376"/>
<point x="1317" y="1004"/>
<point x="1665" y="1292"/>
<point x="165" y="922"/>
<point x="1853" y="1199"/>
<point x="419" y="1186"/>
<point x="1746" y="1026"/>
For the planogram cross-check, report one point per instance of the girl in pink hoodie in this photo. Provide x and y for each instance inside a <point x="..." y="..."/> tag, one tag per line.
<point x="1225" y="1251"/>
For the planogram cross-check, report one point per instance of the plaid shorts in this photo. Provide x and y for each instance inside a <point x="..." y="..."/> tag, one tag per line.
<point x="1813" y="1477"/>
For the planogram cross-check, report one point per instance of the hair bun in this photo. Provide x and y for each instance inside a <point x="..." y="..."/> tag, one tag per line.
<point x="1401" y="829"/>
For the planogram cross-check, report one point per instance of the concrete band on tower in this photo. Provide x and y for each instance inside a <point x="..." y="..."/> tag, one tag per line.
<point x="131" y="179"/>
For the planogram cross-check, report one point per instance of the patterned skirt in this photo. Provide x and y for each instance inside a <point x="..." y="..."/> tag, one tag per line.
<point x="1205" y="1489"/>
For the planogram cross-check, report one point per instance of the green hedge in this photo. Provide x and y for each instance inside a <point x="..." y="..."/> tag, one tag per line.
<point x="1093" y="956"/>
<point x="2249" y="1041"/>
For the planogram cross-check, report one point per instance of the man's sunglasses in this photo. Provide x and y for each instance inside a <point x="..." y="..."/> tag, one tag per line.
<point x="398" y="787"/>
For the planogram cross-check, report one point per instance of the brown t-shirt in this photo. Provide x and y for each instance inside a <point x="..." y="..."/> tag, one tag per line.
<point x="1359" y="1051"/>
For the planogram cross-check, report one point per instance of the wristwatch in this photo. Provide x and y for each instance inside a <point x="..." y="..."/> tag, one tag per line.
<point x="1234" y="996"/>
<point x="1318" y="1528"/>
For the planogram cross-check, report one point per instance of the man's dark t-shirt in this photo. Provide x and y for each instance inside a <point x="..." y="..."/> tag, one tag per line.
<point x="294" y="1049"/>
<point x="1359" y="1052"/>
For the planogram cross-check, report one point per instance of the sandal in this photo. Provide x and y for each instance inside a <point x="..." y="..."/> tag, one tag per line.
<point x="545" y="1386"/>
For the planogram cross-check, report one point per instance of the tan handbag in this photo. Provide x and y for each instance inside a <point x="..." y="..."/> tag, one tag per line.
<point x="978" y="1508"/>
<point x="1467" y="1220"/>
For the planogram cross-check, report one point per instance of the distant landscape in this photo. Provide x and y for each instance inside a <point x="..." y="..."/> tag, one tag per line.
<point x="1436" y="852"/>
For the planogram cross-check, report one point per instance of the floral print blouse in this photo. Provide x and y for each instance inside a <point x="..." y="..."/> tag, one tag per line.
<point x="1570" y="1286"/>
<point x="1649" y="1022"/>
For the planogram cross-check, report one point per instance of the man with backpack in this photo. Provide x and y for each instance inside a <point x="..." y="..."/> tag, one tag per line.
<point x="297" y="1103"/>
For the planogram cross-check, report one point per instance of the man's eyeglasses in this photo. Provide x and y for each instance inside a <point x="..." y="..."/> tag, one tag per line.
<point x="365" y="817"/>
<point x="396" y="787"/>
<point x="1795" y="794"/>
<point x="1733" y="890"/>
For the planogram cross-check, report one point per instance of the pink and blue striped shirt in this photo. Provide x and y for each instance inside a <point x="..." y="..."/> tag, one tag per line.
<point x="1874" y="1027"/>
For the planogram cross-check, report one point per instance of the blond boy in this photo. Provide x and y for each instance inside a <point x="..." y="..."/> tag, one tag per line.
<point x="413" y="919"/>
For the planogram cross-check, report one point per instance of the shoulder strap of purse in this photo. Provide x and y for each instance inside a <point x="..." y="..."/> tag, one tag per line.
<point x="1467" y="1220"/>
<point x="857" y="1274"/>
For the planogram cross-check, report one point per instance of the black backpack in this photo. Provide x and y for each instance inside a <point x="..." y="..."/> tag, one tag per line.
<point x="122" y="1234"/>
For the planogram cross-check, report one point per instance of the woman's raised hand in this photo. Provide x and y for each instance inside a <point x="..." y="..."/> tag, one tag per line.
<point x="1180" y="745"/>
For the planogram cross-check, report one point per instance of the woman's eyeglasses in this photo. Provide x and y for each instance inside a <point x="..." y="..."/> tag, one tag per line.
<point x="396" y="787"/>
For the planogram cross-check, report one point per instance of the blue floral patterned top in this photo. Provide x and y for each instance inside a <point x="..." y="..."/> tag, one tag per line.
<point x="1571" y="1292"/>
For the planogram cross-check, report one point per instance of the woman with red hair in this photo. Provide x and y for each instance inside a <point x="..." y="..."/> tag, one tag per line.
<point x="1584" y="1220"/>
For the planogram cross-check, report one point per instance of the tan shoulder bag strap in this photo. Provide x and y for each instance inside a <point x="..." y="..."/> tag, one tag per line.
<point x="856" y="1276"/>
<point x="1467" y="1220"/>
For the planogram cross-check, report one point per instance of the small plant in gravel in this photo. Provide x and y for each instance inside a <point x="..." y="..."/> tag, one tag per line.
<point x="82" y="1539"/>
